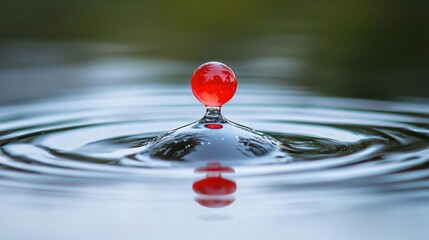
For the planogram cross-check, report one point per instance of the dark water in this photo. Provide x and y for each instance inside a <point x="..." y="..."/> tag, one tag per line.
<point x="68" y="168"/>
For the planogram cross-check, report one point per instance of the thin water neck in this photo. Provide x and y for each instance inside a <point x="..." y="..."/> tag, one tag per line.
<point x="213" y="115"/>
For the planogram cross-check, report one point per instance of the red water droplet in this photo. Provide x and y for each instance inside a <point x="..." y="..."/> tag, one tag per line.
<point x="213" y="126"/>
<point x="214" y="84"/>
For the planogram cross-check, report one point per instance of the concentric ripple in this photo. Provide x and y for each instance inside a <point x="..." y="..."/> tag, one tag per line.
<point x="339" y="148"/>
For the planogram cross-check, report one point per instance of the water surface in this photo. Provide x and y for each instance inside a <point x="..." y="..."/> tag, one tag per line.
<point x="68" y="169"/>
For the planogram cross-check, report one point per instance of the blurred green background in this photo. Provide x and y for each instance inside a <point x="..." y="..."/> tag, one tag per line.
<point x="367" y="49"/>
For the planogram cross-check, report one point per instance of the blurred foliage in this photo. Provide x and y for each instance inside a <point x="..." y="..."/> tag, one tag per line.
<point x="356" y="48"/>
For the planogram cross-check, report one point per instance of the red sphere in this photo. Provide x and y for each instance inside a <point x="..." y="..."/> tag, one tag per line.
<point x="214" y="84"/>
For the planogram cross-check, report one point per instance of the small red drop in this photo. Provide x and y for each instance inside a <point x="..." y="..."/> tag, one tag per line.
<point x="213" y="84"/>
<point x="213" y="126"/>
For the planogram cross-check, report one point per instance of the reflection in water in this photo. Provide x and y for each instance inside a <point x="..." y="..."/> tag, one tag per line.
<point x="214" y="191"/>
<point x="213" y="126"/>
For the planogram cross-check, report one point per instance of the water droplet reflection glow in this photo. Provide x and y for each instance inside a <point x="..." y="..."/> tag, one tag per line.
<point x="214" y="191"/>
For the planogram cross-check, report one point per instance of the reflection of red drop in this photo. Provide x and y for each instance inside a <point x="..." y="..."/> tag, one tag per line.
<point x="215" y="167"/>
<point x="214" y="191"/>
<point x="213" y="126"/>
<point x="214" y="186"/>
<point x="213" y="84"/>
<point x="214" y="203"/>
